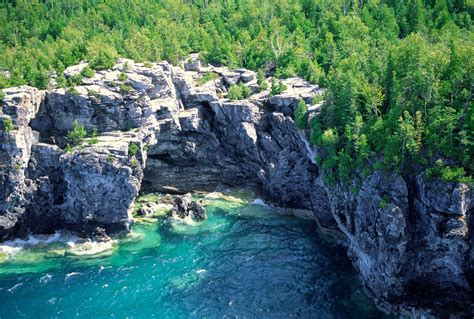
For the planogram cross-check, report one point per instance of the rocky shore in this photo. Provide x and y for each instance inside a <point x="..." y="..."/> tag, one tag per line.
<point x="158" y="127"/>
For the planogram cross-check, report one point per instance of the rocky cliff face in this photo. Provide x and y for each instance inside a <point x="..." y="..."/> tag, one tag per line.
<point x="411" y="240"/>
<point x="160" y="128"/>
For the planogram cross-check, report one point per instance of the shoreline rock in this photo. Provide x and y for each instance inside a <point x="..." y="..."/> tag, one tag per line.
<point x="156" y="130"/>
<point x="184" y="207"/>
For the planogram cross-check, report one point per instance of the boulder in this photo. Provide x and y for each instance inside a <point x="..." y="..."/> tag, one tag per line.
<point x="197" y="210"/>
<point x="247" y="76"/>
<point x="184" y="206"/>
<point x="145" y="210"/>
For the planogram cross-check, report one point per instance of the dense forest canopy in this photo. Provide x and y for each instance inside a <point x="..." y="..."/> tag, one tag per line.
<point x="399" y="74"/>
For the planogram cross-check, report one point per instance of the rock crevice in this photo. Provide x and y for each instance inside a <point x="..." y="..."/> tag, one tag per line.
<point x="160" y="129"/>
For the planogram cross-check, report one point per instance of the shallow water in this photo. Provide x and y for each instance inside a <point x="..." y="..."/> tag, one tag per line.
<point x="244" y="261"/>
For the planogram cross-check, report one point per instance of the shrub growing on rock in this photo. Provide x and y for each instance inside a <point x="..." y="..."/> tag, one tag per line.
<point x="110" y="159"/>
<point x="277" y="88"/>
<point x="94" y="137"/>
<point x="125" y="88"/>
<point x="235" y="93"/>
<point x="132" y="149"/>
<point x="102" y="59"/>
<point x="262" y="83"/>
<point x="61" y="81"/>
<point x="246" y="91"/>
<point x="239" y="92"/>
<point x="7" y="125"/>
<point x="301" y="115"/>
<point x="122" y="77"/>
<point x="209" y="76"/>
<point x="68" y="148"/>
<point x="87" y="72"/>
<point x="77" y="133"/>
<point x="448" y="173"/>
<point x="76" y="79"/>
<point x="72" y="90"/>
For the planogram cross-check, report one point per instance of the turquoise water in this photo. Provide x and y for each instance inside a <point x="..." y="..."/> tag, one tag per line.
<point x="244" y="261"/>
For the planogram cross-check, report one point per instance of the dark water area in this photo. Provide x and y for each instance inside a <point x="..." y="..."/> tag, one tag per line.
<point x="244" y="261"/>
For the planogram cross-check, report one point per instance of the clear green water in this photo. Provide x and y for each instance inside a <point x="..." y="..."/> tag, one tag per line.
<point x="244" y="261"/>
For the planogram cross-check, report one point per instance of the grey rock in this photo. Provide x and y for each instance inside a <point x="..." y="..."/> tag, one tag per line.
<point x="197" y="210"/>
<point x="410" y="238"/>
<point x="184" y="206"/>
<point x="297" y="89"/>
<point x="145" y="210"/>
<point x="247" y="76"/>
<point x="193" y="64"/>
<point x="75" y="69"/>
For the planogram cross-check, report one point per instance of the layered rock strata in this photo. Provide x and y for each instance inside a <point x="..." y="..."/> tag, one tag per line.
<point x="162" y="128"/>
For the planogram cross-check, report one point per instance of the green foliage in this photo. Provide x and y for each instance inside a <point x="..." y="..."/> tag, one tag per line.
<point x="134" y="162"/>
<point x="277" y="88"/>
<point x="93" y="140"/>
<point x="133" y="149"/>
<point x="93" y="137"/>
<point x="7" y="125"/>
<point x="110" y="159"/>
<point x="301" y="115"/>
<point x="235" y="93"/>
<point x="76" y="79"/>
<point x="383" y="202"/>
<point x="87" y="72"/>
<point x="246" y="91"/>
<point x="209" y="76"/>
<point x="448" y="173"/>
<point x="61" y="81"/>
<point x="122" y="77"/>
<point x="72" y="90"/>
<point x="68" y="148"/>
<point x="125" y="88"/>
<point x="238" y="92"/>
<point x="77" y="134"/>
<point x="2" y="96"/>
<point x="102" y="57"/>
<point x="398" y="74"/>
<point x="92" y="93"/>
<point x="261" y="81"/>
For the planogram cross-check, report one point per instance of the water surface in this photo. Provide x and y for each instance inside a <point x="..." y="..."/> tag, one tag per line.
<point x="244" y="261"/>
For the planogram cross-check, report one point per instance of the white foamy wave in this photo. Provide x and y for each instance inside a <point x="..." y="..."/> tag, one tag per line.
<point x="188" y="220"/>
<point x="45" y="279"/>
<point x="213" y="195"/>
<point x="34" y="240"/>
<point x="259" y="202"/>
<point x="102" y="268"/>
<point x="11" y="247"/>
<point x="91" y="248"/>
<point x="71" y="274"/>
<point x="14" y="287"/>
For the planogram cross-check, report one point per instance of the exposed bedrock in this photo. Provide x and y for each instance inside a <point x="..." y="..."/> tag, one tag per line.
<point x="160" y="128"/>
<point x="411" y="240"/>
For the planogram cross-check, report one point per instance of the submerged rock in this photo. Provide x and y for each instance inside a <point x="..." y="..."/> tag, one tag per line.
<point x="197" y="210"/>
<point x="145" y="210"/>
<point x="184" y="206"/>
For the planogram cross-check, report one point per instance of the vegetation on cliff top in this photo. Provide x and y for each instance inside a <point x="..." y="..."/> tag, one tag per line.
<point x="399" y="74"/>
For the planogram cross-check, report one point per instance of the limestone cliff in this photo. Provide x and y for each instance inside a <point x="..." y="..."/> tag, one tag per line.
<point x="162" y="128"/>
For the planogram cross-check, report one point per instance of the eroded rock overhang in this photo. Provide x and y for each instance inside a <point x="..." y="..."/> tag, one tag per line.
<point x="187" y="137"/>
